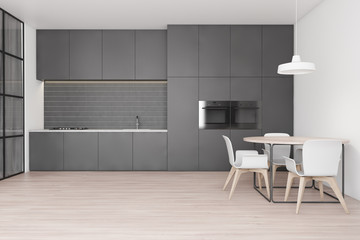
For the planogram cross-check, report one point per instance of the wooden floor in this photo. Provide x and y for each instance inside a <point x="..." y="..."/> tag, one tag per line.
<point x="160" y="205"/>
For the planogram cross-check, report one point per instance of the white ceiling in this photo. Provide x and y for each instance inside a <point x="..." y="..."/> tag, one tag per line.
<point x="152" y="14"/>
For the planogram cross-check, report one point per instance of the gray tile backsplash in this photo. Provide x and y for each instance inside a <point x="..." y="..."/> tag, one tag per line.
<point x="108" y="105"/>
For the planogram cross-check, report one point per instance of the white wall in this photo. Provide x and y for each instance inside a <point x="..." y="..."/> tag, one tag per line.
<point x="34" y="94"/>
<point x="327" y="102"/>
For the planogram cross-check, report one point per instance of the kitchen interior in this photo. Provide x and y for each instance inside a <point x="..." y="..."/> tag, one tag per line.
<point x="136" y="114"/>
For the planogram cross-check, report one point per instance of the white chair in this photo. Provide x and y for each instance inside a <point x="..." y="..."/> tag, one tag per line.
<point x="320" y="163"/>
<point x="278" y="152"/>
<point x="246" y="161"/>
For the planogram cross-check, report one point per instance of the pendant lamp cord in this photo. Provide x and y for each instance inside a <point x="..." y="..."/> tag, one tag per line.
<point x="295" y="26"/>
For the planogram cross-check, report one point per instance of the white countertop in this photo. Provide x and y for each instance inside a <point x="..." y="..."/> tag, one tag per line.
<point x="101" y="130"/>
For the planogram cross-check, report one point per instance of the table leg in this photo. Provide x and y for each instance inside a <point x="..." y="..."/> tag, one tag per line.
<point x="271" y="172"/>
<point x="343" y="170"/>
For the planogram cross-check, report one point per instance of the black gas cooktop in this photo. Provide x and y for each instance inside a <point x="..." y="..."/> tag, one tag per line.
<point x="69" y="128"/>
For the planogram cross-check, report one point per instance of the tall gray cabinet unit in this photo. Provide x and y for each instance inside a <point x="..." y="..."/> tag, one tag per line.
<point x="183" y="42"/>
<point x="11" y="95"/>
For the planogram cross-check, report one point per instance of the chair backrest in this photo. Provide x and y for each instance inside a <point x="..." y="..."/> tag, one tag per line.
<point x="279" y="150"/>
<point x="229" y="150"/>
<point x="321" y="157"/>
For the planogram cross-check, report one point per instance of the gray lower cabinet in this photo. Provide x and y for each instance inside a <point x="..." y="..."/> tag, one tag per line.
<point x="81" y="151"/>
<point x="277" y="105"/>
<point x="150" y="54"/>
<point x="213" y="154"/>
<point x="149" y="151"/>
<point x="246" y="50"/>
<point x="183" y="124"/>
<point x="183" y="50"/>
<point x="118" y="54"/>
<point x="277" y="48"/>
<point x="115" y="151"/>
<point x="245" y="89"/>
<point x="214" y="51"/>
<point x="237" y="139"/>
<point x="214" y="89"/>
<point x="85" y="54"/>
<point x="52" y="55"/>
<point x="46" y="151"/>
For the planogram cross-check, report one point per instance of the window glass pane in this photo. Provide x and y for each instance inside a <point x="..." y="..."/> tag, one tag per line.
<point x="13" y="36"/>
<point x="1" y="159"/>
<point x="1" y="32"/>
<point x="13" y="116"/>
<point x="13" y="155"/>
<point x="13" y="76"/>
<point x="1" y="73"/>
<point x="1" y="116"/>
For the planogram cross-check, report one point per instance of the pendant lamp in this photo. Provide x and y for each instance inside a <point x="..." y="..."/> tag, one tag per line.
<point x="296" y="66"/>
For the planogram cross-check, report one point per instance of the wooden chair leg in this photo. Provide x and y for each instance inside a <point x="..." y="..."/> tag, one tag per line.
<point x="275" y="167"/>
<point x="334" y="186"/>
<point x="289" y="183"/>
<point x="235" y="181"/>
<point x="264" y="172"/>
<point x="259" y="180"/>
<point x="303" y="181"/>
<point x="321" y="188"/>
<point x="231" y="173"/>
<point x="298" y="167"/>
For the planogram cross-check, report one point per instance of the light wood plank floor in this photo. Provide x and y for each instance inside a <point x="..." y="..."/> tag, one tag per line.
<point x="160" y="205"/>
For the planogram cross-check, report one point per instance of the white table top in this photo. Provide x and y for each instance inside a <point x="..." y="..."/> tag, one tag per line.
<point x="288" y="140"/>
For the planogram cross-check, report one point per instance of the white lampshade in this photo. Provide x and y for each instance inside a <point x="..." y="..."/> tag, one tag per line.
<point x="296" y="67"/>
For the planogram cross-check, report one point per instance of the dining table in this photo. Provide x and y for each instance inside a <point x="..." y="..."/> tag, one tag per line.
<point x="293" y="141"/>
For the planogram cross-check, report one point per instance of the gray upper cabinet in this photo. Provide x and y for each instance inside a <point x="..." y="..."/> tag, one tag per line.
<point x="81" y="151"/>
<point x="118" y="54"/>
<point x="52" y="55"/>
<point x="246" y="89"/>
<point x="277" y="48"/>
<point x="183" y="124"/>
<point x="183" y="48"/>
<point x="85" y="54"/>
<point x="214" y="89"/>
<point x="150" y="54"/>
<point x="150" y="151"/>
<point x="115" y="151"/>
<point x="214" y="51"/>
<point x="46" y="151"/>
<point x="246" y="51"/>
<point x="278" y="105"/>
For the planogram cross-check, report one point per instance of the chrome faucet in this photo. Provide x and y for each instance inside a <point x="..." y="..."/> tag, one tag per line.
<point x="137" y="122"/>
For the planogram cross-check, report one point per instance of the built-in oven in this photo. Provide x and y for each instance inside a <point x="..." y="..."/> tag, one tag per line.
<point x="229" y="115"/>
<point x="214" y="114"/>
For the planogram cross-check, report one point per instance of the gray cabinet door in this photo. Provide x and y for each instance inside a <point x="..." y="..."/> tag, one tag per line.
<point x="214" y="51"/>
<point x="150" y="54"/>
<point x="149" y="151"/>
<point x="183" y="124"/>
<point x="46" y="151"/>
<point x="118" y="54"/>
<point x="246" y="51"/>
<point x="237" y="139"/>
<point x="85" y="54"/>
<point x="81" y="151"/>
<point x="214" y="89"/>
<point x="278" y="105"/>
<point x="52" y="55"/>
<point x="115" y="151"/>
<point x="213" y="154"/>
<point x="183" y="50"/>
<point x="277" y="48"/>
<point x="245" y="89"/>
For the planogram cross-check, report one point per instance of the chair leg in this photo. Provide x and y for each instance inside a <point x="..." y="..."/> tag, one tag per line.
<point x="334" y="186"/>
<point x="303" y="181"/>
<point x="275" y="167"/>
<point x="264" y="172"/>
<point x="289" y="183"/>
<point x="231" y="173"/>
<point x="235" y="181"/>
<point x="321" y="188"/>
<point x="298" y="167"/>
<point x="259" y="180"/>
